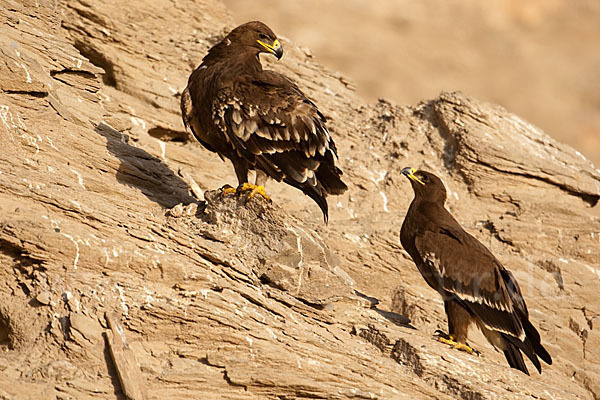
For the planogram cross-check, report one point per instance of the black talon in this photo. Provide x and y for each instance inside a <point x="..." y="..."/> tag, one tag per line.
<point x="441" y="334"/>
<point x="238" y="190"/>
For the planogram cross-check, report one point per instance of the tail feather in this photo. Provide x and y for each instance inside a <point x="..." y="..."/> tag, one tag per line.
<point x="295" y="169"/>
<point x="329" y="177"/>
<point x="525" y="347"/>
<point x="314" y="192"/>
<point x="515" y="358"/>
<point x="533" y="335"/>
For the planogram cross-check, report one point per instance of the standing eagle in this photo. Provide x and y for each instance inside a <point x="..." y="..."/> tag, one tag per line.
<point x="474" y="285"/>
<point x="259" y="119"/>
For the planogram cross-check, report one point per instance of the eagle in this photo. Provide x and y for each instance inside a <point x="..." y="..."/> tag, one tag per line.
<point x="474" y="285"/>
<point x="259" y="119"/>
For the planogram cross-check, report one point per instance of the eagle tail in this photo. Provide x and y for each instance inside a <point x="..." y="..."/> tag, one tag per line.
<point x="526" y="347"/>
<point x="533" y="336"/>
<point x="514" y="357"/>
<point x="329" y="177"/>
<point x="319" y="197"/>
<point x="314" y="192"/>
<point x="287" y="166"/>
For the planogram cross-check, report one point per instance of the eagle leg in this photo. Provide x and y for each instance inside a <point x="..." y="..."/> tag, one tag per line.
<point x="451" y="341"/>
<point x="253" y="191"/>
<point x="261" y="178"/>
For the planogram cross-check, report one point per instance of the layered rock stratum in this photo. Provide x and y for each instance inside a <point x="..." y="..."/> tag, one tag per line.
<point x="125" y="273"/>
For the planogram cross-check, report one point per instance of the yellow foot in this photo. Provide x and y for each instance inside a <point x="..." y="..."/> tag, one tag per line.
<point x="451" y="341"/>
<point x="228" y="190"/>
<point x="254" y="190"/>
<point x="465" y="347"/>
<point x="250" y="189"/>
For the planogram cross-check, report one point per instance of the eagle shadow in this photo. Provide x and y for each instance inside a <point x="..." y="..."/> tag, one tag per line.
<point x="145" y="172"/>
<point x="393" y="317"/>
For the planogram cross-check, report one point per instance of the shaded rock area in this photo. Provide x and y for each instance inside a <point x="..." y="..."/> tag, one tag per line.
<point x="108" y="208"/>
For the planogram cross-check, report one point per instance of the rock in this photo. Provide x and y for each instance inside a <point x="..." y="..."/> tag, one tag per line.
<point x="60" y="370"/>
<point x="84" y="328"/>
<point x="310" y="282"/>
<point x="5" y="396"/>
<point x="43" y="298"/>
<point x="224" y="298"/>
<point x="278" y="249"/>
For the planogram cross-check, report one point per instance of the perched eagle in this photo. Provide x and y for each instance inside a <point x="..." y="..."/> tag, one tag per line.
<point x="259" y="119"/>
<point x="474" y="285"/>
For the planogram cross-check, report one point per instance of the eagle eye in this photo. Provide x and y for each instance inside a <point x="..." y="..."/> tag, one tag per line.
<point x="424" y="178"/>
<point x="263" y="36"/>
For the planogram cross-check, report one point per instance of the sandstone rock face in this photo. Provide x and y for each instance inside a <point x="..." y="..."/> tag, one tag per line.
<point x="127" y="273"/>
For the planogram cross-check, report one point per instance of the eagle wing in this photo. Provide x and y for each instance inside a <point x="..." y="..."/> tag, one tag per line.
<point x="270" y="123"/>
<point x="464" y="268"/>
<point x="270" y="115"/>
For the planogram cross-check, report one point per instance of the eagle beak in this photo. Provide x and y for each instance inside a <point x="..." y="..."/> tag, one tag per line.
<point x="275" y="48"/>
<point x="410" y="174"/>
